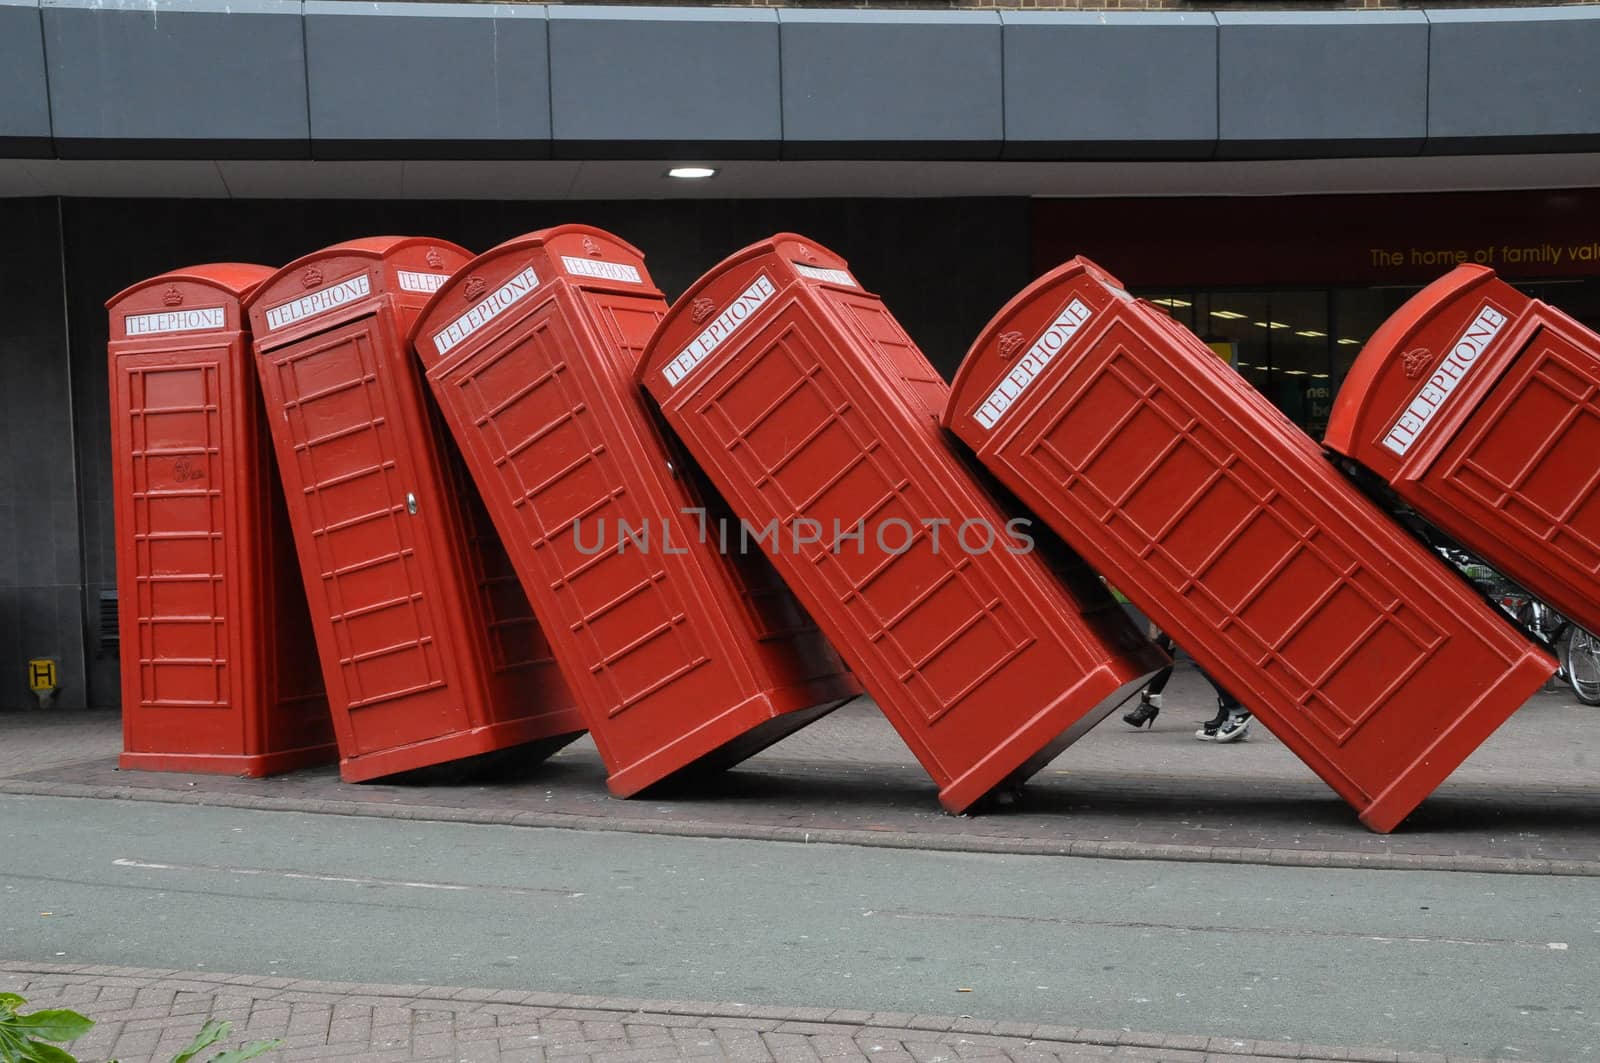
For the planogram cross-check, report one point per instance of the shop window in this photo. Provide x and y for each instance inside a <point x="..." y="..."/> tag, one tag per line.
<point x="1297" y="345"/>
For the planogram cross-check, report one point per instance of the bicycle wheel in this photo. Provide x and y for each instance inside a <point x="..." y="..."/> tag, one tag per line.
<point x="1583" y="664"/>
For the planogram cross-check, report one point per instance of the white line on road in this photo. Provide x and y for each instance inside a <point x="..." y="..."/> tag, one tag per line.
<point x="1559" y="946"/>
<point x="358" y="880"/>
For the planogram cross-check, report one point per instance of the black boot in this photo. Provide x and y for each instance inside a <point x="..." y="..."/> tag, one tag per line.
<point x="1144" y="713"/>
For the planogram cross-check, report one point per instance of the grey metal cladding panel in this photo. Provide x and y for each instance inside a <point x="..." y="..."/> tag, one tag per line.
<point x="892" y="78"/>
<point x="1359" y="78"/>
<point x="24" y="99"/>
<point x="1524" y="73"/>
<point x="427" y="72"/>
<point x="176" y="70"/>
<point x="620" y="75"/>
<point x="1109" y="78"/>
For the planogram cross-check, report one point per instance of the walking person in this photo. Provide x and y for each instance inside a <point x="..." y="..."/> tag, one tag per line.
<point x="1230" y="724"/>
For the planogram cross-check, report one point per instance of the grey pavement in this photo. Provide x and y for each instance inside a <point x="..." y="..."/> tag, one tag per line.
<point x="1524" y="802"/>
<point x="1445" y="963"/>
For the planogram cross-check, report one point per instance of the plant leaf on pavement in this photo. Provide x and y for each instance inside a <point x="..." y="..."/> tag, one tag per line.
<point x="212" y="1032"/>
<point x="56" y="1024"/>
<point x="39" y="1052"/>
<point x="249" y="1051"/>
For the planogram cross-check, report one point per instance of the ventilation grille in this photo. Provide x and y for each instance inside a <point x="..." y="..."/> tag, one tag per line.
<point x="110" y="640"/>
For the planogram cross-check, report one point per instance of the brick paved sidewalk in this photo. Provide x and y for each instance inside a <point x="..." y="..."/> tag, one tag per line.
<point x="147" y="1015"/>
<point x="1524" y="803"/>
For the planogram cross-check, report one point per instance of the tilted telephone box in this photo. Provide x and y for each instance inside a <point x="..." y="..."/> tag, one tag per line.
<point x="683" y="656"/>
<point x="429" y="648"/>
<point x="1480" y="407"/>
<point x="1223" y="521"/>
<point x="816" y="417"/>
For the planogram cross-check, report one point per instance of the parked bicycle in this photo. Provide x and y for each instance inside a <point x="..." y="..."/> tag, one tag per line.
<point x="1577" y="650"/>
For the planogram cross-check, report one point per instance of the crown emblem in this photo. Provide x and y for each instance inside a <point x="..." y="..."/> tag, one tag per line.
<point x="172" y="297"/>
<point x="311" y="276"/>
<point x="1010" y="343"/>
<point x="474" y="287"/>
<point x="434" y="258"/>
<point x="701" y="309"/>
<point x="807" y="254"/>
<point x="591" y="248"/>
<point x="1416" y="362"/>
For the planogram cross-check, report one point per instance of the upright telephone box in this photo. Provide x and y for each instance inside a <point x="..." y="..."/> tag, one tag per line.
<point x="681" y="655"/>
<point x="816" y="417"/>
<point x="429" y="649"/>
<point x="219" y="668"/>
<point x="1223" y="521"/>
<point x="1481" y="408"/>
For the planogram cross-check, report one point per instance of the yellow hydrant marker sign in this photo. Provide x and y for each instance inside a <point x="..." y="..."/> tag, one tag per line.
<point x="41" y="674"/>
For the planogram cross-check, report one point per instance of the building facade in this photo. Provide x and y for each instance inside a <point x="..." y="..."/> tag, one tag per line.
<point x="1279" y="180"/>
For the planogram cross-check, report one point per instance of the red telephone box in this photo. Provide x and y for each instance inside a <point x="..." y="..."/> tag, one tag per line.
<point x="679" y="654"/>
<point x="1221" y="520"/>
<point x="1481" y="408"/>
<point x="816" y="417"/>
<point x="429" y="648"/>
<point x="218" y="663"/>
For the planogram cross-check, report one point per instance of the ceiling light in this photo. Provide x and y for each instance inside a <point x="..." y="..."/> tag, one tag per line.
<point x="1311" y="334"/>
<point x="1347" y="343"/>
<point x="1226" y="315"/>
<point x="1172" y="302"/>
<point x="1320" y="376"/>
<point x="692" y="173"/>
<point x="1241" y="365"/>
<point x="1269" y="324"/>
<point x="1293" y="372"/>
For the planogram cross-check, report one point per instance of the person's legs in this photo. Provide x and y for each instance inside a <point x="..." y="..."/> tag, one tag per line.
<point x="1153" y="689"/>
<point x="1149" y="706"/>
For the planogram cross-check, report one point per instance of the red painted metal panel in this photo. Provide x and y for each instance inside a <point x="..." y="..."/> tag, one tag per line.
<point x="811" y="410"/>
<point x="430" y="652"/>
<point x="681" y="656"/>
<point x="1222" y="521"/>
<point x="218" y="668"/>
<point x="1481" y="408"/>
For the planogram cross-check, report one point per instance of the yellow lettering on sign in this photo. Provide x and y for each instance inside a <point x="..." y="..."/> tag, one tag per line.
<point x="41" y="674"/>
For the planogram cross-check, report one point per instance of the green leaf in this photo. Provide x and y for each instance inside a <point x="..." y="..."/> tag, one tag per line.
<point x="249" y="1051"/>
<point x="209" y="1034"/>
<point x="39" y="1052"/>
<point x="11" y="1001"/>
<point x="11" y="1044"/>
<point x="58" y="1024"/>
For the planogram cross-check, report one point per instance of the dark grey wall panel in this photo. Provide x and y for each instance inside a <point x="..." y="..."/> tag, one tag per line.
<point x="891" y="84"/>
<point x="1089" y="84"/>
<point x="456" y="80"/>
<point x="177" y="78"/>
<point x="24" y="99"/>
<point x="642" y="82"/>
<point x="1322" y="83"/>
<point x="1524" y="79"/>
<point x="41" y="568"/>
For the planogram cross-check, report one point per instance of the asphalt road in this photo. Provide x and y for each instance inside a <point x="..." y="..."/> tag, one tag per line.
<point x="1465" y="964"/>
